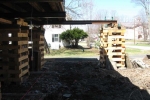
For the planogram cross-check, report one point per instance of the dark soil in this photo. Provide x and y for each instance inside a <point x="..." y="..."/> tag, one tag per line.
<point x="78" y="79"/>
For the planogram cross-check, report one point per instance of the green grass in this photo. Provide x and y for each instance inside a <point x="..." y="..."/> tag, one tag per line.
<point x="133" y="51"/>
<point x="135" y="40"/>
<point x="141" y="44"/>
<point x="67" y="52"/>
<point x="70" y="52"/>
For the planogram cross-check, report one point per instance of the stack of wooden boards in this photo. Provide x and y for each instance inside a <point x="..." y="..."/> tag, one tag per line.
<point x="13" y="53"/>
<point x="112" y="46"/>
<point x="37" y="36"/>
<point x="15" y="61"/>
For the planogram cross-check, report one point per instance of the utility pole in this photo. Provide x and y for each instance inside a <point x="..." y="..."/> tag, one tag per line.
<point x="134" y="31"/>
<point x="148" y="19"/>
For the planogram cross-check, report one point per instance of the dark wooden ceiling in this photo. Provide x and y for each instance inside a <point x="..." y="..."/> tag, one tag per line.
<point x="39" y="11"/>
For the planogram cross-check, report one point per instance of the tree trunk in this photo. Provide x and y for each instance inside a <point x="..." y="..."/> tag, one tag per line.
<point x="76" y="43"/>
<point x="145" y="34"/>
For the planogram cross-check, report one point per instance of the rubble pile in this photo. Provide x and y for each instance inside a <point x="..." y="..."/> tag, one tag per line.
<point x="77" y="80"/>
<point x="146" y="59"/>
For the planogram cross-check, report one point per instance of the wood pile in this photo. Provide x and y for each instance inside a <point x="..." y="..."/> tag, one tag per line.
<point x="0" y="92"/>
<point x="112" y="47"/>
<point x="13" y="53"/>
<point x="37" y="36"/>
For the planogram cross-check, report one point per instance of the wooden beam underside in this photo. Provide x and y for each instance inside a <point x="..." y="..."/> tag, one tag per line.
<point x="2" y="1"/>
<point x="14" y="7"/>
<point x="37" y="6"/>
<point x="78" y="22"/>
<point x="37" y="14"/>
<point x="5" y="21"/>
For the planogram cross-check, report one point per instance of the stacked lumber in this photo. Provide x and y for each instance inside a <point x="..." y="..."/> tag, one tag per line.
<point x="37" y="37"/>
<point x="14" y="53"/>
<point x="112" y="46"/>
<point x="0" y="92"/>
<point x="22" y="22"/>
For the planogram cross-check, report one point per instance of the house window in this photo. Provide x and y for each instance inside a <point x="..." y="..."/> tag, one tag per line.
<point x="56" y="26"/>
<point x="55" y="38"/>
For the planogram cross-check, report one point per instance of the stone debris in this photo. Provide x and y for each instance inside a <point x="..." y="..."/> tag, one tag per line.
<point x="139" y="63"/>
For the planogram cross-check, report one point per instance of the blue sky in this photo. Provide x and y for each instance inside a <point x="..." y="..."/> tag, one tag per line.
<point x="122" y="7"/>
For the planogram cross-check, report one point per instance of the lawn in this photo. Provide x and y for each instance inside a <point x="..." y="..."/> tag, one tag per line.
<point x="141" y="44"/>
<point x="70" y="52"/>
<point x="133" y="51"/>
<point x="67" y="52"/>
<point x="94" y="52"/>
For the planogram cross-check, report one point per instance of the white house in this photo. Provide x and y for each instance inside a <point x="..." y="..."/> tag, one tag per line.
<point x="136" y="33"/>
<point x="52" y="33"/>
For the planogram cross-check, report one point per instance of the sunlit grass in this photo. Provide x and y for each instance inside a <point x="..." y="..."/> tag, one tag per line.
<point x="141" y="44"/>
<point x="133" y="51"/>
<point x="67" y="52"/>
<point x="80" y="52"/>
<point x="132" y="40"/>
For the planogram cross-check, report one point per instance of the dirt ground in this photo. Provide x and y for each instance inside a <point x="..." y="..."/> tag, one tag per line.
<point x="81" y="79"/>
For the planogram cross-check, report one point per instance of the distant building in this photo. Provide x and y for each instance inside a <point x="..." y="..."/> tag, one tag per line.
<point x="132" y="33"/>
<point x="52" y="35"/>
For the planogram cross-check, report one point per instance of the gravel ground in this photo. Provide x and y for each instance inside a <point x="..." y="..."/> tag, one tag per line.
<point x="81" y="79"/>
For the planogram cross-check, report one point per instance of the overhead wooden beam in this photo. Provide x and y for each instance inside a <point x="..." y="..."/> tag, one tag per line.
<point x="14" y="7"/>
<point x="76" y="22"/>
<point x="37" y="14"/>
<point x="13" y="26"/>
<point x="2" y="20"/>
<point x="53" y="7"/>
<point x="60" y="6"/>
<point x="4" y="10"/>
<point x="2" y="1"/>
<point x="79" y="22"/>
<point x="37" y="6"/>
<point x="63" y="7"/>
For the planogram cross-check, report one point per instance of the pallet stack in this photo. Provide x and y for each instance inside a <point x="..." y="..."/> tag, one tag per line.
<point x="112" y="47"/>
<point x="14" y="66"/>
<point x="0" y="92"/>
<point x="37" y="36"/>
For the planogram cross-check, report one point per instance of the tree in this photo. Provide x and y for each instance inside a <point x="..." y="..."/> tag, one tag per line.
<point x="143" y="24"/>
<point x="145" y="5"/>
<point x="79" y="9"/>
<point x="73" y="36"/>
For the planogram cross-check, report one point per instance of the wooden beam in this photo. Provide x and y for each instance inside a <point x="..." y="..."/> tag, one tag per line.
<point x="13" y="26"/>
<point x="2" y="20"/>
<point x="4" y="10"/>
<point x="37" y="6"/>
<point x="37" y="14"/>
<point x="2" y="1"/>
<point x="52" y="5"/>
<point x="76" y="22"/>
<point x="63" y="7"/>
<point x="14" y="7"/>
